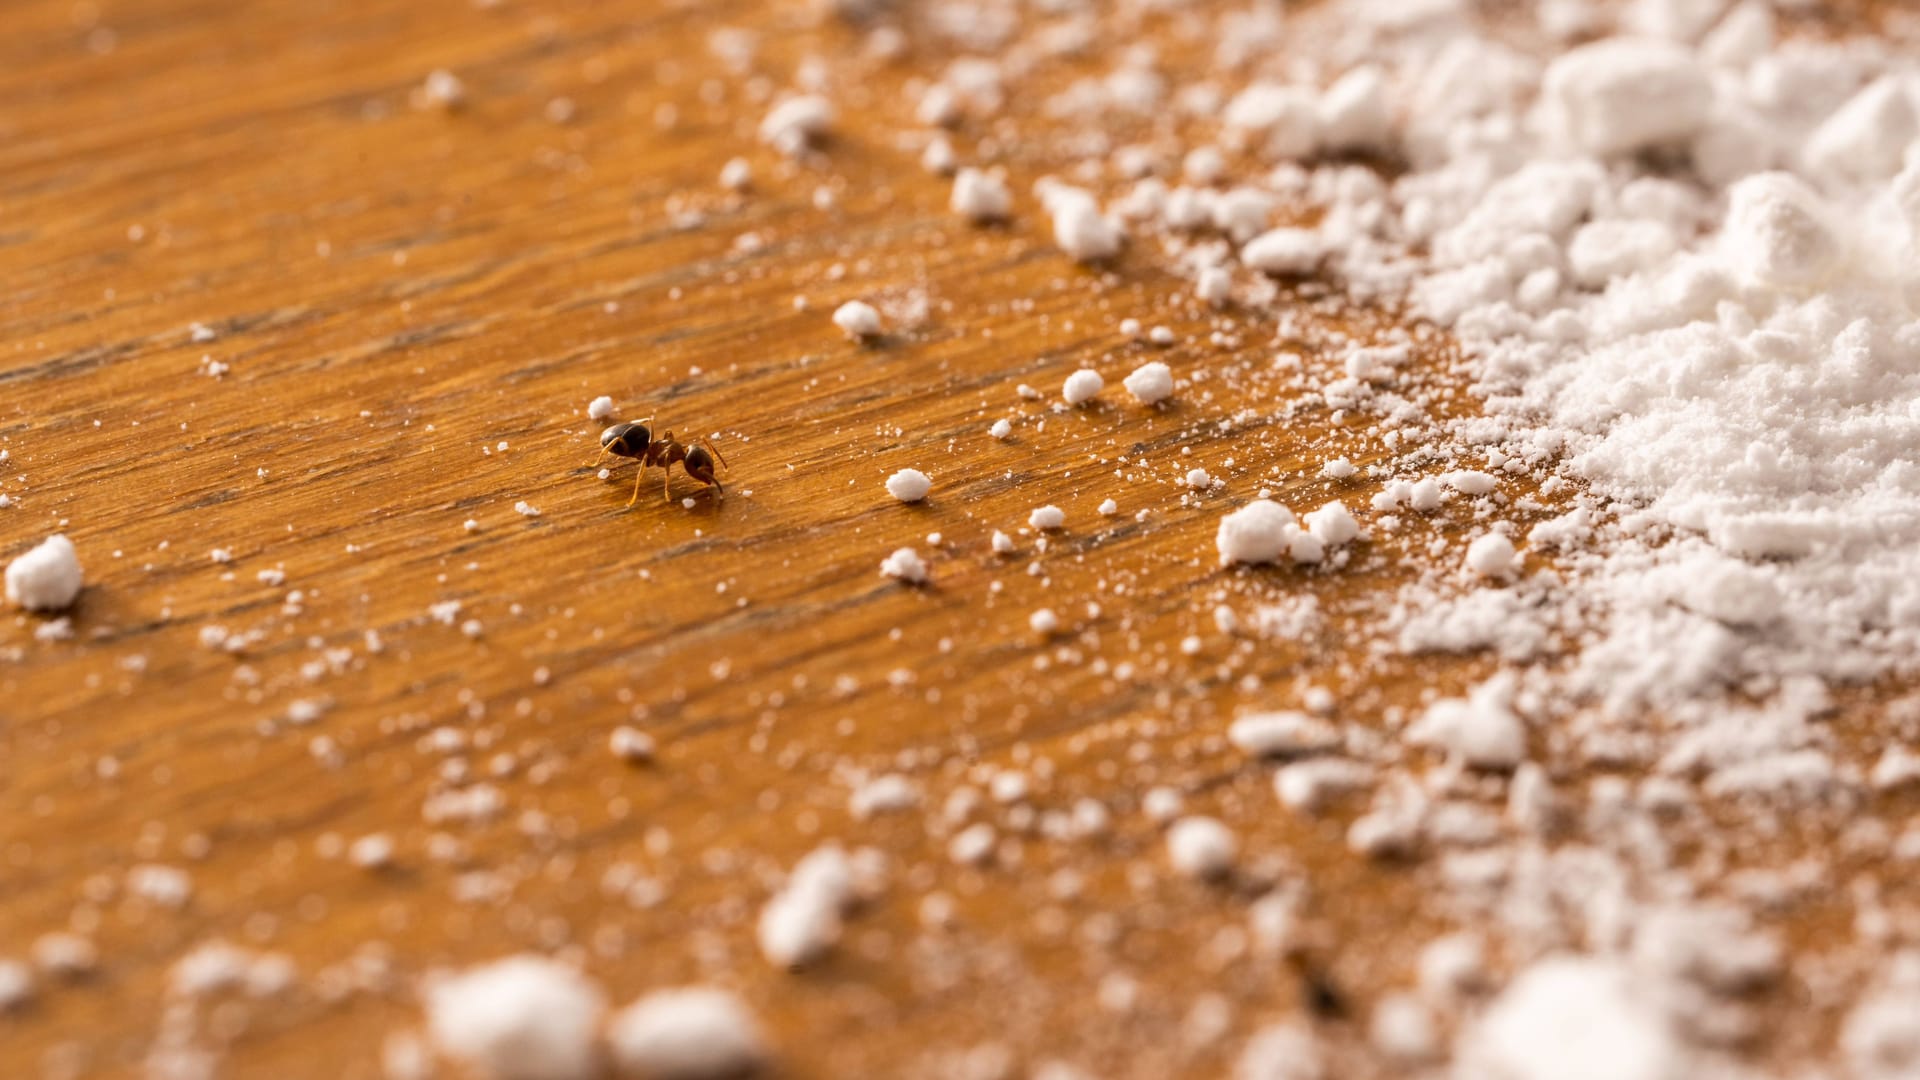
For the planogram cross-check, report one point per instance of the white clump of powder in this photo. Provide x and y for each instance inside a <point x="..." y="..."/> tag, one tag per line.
<point x="521" y="1018"/>
<point x="1082" y="386"/>
<point x="1150" y="383"/>
<point x="1282" y="733"/>
<point x="904" y="564"/>
<point x="980" y="197"/>
<point x="600" y="408"/>
<point x="688" y="1033"/>
<point x="1491" y="556"/>
<point x="1259" y="532"/>
<point x="797" y="123"/>
<point x="1572" y="1018"/>
<point x="858" y="319"/>
<point x="1079" y="228"/>
<point x="909" y="485"/>
<point x="1284" y="251"/>
<point x="1047" y="517"/>
<point x="1201" y="847"/>
<point x="1043" y="621"/>
<point x="47" y="577"/>
<point x="1621" y="95"/>
<point x="1001" y="429"/>
<point x="803" y="920"/>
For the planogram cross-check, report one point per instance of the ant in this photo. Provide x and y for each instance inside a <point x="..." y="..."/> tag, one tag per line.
<point x="636" y="441"/>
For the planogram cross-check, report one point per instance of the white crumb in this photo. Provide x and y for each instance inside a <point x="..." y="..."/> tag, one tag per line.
<point x="600" y="408"/>
<point x="909" y="485"/>
<point x="687" y="1033"/>
<point x="1083" y="385"/>
<point x="522" y="1018"/>
<point x="904" y="564"/>
<point x="1047" y="518"/>
<point x="858" y="319"/>
<point x="1150" y="383"/>
<point x="45" y="578"/>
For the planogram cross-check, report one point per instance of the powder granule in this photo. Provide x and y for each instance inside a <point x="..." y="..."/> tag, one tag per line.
<point x="904" y="564"/>
<point x="1150" y="383"/>
<point x="909" y="485"/>
<point x="1082" y="386"/>
<point x="803" y="920"/>
<point x="1491" y="556"/>
<point x="1259" y="532"/>
<point x="600" y="408"/>
<point x="1480" y="730"/>
<point x="521" y="1018"/>
<point x="1047" y="517"/>
<point x="47" y="577"/>
<point x="1201" y="847"/>
<point x="630" y="744"/>
<point x="797" y="123"/>
<point x="689" y="1033"/>
<point x="1573" y="1018"/>
<point x="1001" y="429"/>
<point x="1333" y="524"/>
<point x="981" y="197"/>
<point x="1043" y="621"/>
<point x="1282" y="733"/>
<point x="1079" y="228"/>
<point x="1780" y="233"/>
<point x="858" y="319"/>
<point x="1622" y="95"/>
<point x="1287" y="251"/>
<point x="1002" y="543"/>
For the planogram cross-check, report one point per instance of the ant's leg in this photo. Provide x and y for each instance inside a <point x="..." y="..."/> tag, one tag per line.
<point x="639" y="472"/>
<point x="666" y="482"/>
<point x="711" y="449"/>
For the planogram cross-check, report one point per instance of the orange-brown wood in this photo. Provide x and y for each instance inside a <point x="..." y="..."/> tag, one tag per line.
<point x="415" y="307"/>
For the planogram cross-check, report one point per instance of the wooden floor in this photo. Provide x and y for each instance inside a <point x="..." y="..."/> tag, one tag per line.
<point x="413" y="308"/>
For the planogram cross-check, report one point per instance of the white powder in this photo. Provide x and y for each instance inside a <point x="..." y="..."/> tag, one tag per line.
<point x="1622" y="95"/>
<point x="371" y="852"/>
<point x="1001" y="429"/>
<point x="1573" y="1019"/>
<point x="1259" y="532"/>
<point x="1043" y="621"/>
<point x="1197" y="479"/>
<point x="1201" y="847"/>
<point x="630" y="744"/>
<point x="1491" y="556"/>
<point x="858" y="319"/>
<point x="1047" y="518"/>
<point x="1284" y="251"/>
<point x="1150" y="383"/>
<point x="803" y="920"/>
<point x="442" y="90"/>
<point x="1079" y="227"/>
<point x="904" y="564"/>
<point x="1282" y="733"/>
<point x="1108" y="508"/>
<point x="1082" y="386"/>
<point x="521" y="1018"/>
<point x="689" y="1033"/>
<point x="980" y="197"/>
<point x="1002" y="543"/>
<point x="600" y="408"/>
<point x="1480" y="730"/>
<point x="797" y="123"/>
<point x="736" y="175"/>
<point x="16" y="984"/>
<point x="909" y="485"/>
<point x="1333" y="524"/>
<point x="47" y="577"/>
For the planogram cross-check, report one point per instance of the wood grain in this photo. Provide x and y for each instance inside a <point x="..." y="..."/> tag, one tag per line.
<point x="416" y="307"/>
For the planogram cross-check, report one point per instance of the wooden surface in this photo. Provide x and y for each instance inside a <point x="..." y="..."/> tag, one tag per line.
<point x="416" y="306"/>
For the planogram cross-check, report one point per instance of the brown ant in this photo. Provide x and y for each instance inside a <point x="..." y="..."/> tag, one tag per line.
<point x="636" y="441"/>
